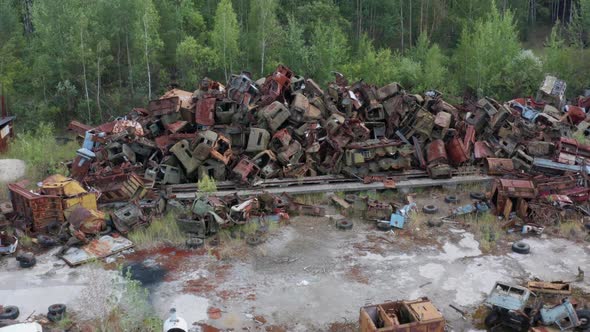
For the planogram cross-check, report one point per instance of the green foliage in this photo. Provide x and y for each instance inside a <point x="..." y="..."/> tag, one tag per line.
<point x="264" y="31"/>
<point x="329" y="49"/>
<point x="375" y="67"/>
<point x="138" y="313"/>
<point x="194" y="60"/>
<point x="207" y="184"/>
<point x="485" y="53"/>
<point x="162" y="230"/>
<point x="93" y="61"/>
<point x="225" y="34"/>
<point x="294" y="52"/>
<point x="41" y="153"/>
<point x="565" y="61"/>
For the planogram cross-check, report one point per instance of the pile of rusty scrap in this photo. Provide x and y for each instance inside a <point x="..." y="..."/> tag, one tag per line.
<point x="61" y="210"/>
<point x="286" y="127"/>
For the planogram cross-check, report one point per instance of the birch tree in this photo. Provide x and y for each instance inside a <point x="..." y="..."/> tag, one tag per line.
<point x="263" y="27"/>
<point x="225" y="34"/>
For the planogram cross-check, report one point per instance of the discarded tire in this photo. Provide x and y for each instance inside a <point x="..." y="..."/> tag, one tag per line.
<point x="26" y="259"/>
<point x="383" y="226"/>
<point x="9" y="312"/>
<point x="584" y="318"/>
<point x="28" y="264"/>
<point x="194" y="242"/>
<point x="492" y="319"/>
<point x="430" y="209"/>
<point x="452" y="199"/>
<point x="477" y="195"/>
<point x="521" y="248"/>
<point x="55" y="317"/>
<point x="351" y="198"/>
<point x="108" y="230"/>
<point x="57" y="308"/>
<point x="434" y="222"/>
<point x="53" y="228"/>
<point x="253" y="240"/>
<point x="344" y="224"/>
<point x="46" y="241"/>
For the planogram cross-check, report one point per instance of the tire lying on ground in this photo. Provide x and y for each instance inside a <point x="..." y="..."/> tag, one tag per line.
<point x="108" y="230"/>
<point x="383" y="226"/>
<point x="9" y="312"/>
<point x="584" y="318"/>
<point x="430" y="209"/>
<point x="194" y="242"/>
<point x="477" y="195"/>
<point x="57" y="308"/>
<point x="344" y="224"/>
<point x="46" y="241"/>
<point x="28" y="264"/>
<point x="253" y="240"/>
<point x="521" y="247"/>
<point x="452" y="199"/>
<point x="26" y="259"/>
<point x="434" y="222"/>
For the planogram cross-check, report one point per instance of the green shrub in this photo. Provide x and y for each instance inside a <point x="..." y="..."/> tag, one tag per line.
<point x="41" y="153"/>
<point x="163" y="230"/>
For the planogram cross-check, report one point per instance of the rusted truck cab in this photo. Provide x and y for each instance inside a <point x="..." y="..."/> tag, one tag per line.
<point x="402" y="316"/>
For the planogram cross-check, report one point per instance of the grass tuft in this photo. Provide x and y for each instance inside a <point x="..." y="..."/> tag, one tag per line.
<point x="486" y="228"/>
<point x="310" y="199"/>
<point x="41" y="153"/>
<point x="162" y="230"/>
<point x="571" y="229"/>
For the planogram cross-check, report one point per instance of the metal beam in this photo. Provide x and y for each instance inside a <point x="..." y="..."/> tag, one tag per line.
<point x="345" y="187"/>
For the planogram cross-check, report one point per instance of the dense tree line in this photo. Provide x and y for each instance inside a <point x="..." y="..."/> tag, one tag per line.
<point x="94" y="60"/>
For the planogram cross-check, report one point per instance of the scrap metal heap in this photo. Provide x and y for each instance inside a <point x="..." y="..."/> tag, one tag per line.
<point x="287" y="126"/>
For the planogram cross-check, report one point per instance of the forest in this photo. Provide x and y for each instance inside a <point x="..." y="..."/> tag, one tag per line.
<point x="95" y="60"/>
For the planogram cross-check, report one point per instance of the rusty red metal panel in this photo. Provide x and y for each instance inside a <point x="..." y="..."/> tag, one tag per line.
<point x="164" y="106"/>
<point x="456" y="151"/>
<point x="40" y="210"/>
<point x="469" y="138"/>
<point x="499" y="166"/>
<point x="436" y="152"/>
<point x="118" y="187"/>
<point x="482" y="150"/>
<point x="205" y="111"/>
<point x="572" y="146"/>
<point x="177" y="126"/>
<point x="106" y="127"/>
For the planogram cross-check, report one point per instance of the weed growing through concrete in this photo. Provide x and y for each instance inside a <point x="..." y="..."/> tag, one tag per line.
<point x="162" y="230"/>
<point x="571" y="229"/>
<point x="486" y="228"/>
<point x="311" y="199"/>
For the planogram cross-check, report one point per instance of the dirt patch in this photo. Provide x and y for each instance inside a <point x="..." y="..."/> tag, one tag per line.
<point x="205" y="286"/>
<point x="355" y="273"/>
<point x="170" y="259"/>
<point x="343" y="327"/>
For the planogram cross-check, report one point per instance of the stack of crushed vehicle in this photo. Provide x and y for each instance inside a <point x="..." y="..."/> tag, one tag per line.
<point x="286" y="126"/>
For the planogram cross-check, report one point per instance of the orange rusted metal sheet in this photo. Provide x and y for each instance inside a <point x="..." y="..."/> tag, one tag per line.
<point x="554" y="287"/>
<point x="402" y="316"/>
<point x="498" y="166"/>
<point x="39" y="210"/>
<point x="98" y="248"/>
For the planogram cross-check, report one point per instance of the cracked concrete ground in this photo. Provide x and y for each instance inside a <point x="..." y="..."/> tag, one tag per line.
<point x="309" y="275"/>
